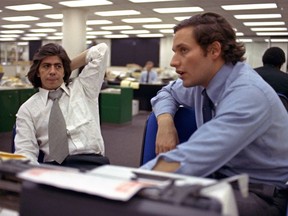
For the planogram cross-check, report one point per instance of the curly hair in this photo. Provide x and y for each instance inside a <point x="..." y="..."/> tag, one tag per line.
<point x="50" y="49"/>
<point x="210" y="27"/>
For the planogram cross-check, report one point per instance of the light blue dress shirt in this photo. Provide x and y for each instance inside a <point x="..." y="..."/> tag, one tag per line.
<point x="248" y="133"/>
<point x="153" y="77"/>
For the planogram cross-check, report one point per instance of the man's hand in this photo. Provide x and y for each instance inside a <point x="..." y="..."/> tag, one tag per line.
<point x="167" y="136"/>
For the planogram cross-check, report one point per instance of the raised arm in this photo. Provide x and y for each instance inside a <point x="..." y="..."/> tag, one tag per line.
<point x="79" y="60"/>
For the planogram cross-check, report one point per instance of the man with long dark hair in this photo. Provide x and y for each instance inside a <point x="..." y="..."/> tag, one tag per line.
<point x="80" y="144"/>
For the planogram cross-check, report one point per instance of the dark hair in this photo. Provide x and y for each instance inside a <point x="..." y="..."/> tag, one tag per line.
<point x="50" y="49"/>
<point x="210" y="27"/>
<point x="274" y="56"/>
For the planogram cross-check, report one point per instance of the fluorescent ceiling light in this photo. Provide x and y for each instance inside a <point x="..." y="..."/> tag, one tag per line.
<point x="249" y="6"/>
<point x="30" y="38"/>
<point x="85" y="3"/>
<point x="142" y="20"/>
<point x="244" y="40"/>
<point x="167" y="31"/>
<point x="90" y="36"/>
<point x="181" y="18"/>
<point x="50" y="24"/>
<point x="36" y="35"/>
<point x="178" y="10"/>
<point x="7" y="39"/>
<point x="159" y="26"/>
<point x="58" y="33"/>
<point x="116" y="36"/>
<point x="20" y="18"/>
<point x="118" y="13"/>
<point x="135" y="32"/>
<point x="43" y="30"/>
<point x="150" y="35"/>
<point x="257" y="16"/>
<point x="276" y="40"/>
<point x="124" y="27"/>
<point x="54" y="16"/>
<point x="272" y="33"/>
<point x="269" y="29"/>
<point x="54" y="37"/>
<point x="10" y="35"/>
<point x="16" y="26"/>
<point x="98" y="22"/>
<point x="29" y="7"/>
<point x="12" y="31"/>
<point x="99" y="32"/>
<point x="22" y="43"/>
<point x="148" y="1"/>
<point x="264" y="23"/>
<point x="239" y="34"/>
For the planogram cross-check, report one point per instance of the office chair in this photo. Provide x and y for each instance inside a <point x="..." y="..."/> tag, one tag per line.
<point x="284" y="100"/>
<point x="185" y="124"/>
<point x="41" y="154"/>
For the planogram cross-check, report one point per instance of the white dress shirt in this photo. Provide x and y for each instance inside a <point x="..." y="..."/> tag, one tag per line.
<point x="79" y="105"/>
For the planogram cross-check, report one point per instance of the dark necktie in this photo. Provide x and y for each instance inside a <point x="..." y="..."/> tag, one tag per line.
<point x="207" y="107"/>
<point x="147" y="78"/>
<point x="58" y="142"/>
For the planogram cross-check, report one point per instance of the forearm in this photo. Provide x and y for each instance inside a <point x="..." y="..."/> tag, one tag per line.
<point x="165" y="166"/>
<point x="79" y="60"/>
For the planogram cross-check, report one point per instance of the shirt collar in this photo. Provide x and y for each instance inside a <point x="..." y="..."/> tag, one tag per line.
<point x="44" y="92"/>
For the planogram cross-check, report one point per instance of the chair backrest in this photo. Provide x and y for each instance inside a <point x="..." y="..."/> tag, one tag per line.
<point x="41" y="154"/>
<point x="284" y="100"/>
<point x="185" y="124"/>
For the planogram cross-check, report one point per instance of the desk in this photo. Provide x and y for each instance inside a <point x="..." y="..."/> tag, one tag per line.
<point x="10" y="100"/>
<point x="145" y="93"/>
<point x="46" y="201"/>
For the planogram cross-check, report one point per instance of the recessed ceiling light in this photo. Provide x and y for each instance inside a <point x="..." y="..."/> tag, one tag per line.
<point x="116" y="27"/>
<point x="244" y="40"/>
<point x="257" y="16"/>
<point x="99" y="32"/>
<point x="54" y="16"/>
<point x="20" y="18"/>
<point x="118" y="13"/>
<point x="276" y="40"/>
<point x="30" y="38"/>
<point x="29" y="7"/>
<point x="7" y="39"/>
<point x="135" y="32"/>
<point x="178" y="10"/>
<point x="269" y="29"/>
<point x="239" y="34"/>
<point x="10" y="35"/>
<point x="149" y="35"/>
<point x="36" y="35"/>
<point x="264" y="23"/>
<point x="54" y="37"/>
<point x="159" y="26"/>
<point x="12" y="31"/>
<point x="272" y="33"/>
<point x="43" y="30"/>
<point x="85" y="3"/>
<point x="50" y="24"/>
<point x="116" y="36"/>
<point x="142" y="20"/>
<point x="16" y="26"/>
<point x="249" y="6"/>
<point x="22" y="43"/>
<point x="90" y="36"/>
<point x="149" y="1"/>
<point x="98" y="22"/>
<point x="181" y="18"/>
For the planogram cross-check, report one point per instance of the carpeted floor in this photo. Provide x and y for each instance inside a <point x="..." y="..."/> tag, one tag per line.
<point x="123" y="142"/>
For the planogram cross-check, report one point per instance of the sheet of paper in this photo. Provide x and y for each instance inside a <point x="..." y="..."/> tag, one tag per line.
<point x="112" y="188"/>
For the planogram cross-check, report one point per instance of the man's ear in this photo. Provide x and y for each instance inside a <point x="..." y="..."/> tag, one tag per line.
<point x="215" y="49"/>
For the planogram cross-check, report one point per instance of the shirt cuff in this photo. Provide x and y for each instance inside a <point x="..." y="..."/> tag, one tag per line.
<point x="96" y="52"/>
